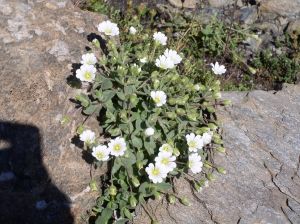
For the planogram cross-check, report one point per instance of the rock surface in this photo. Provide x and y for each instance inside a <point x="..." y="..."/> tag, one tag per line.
<point x="44" y="178"/>
<point x="261" y="133"/>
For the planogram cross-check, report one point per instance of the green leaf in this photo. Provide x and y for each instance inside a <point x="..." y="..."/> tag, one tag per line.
<point x="106" y="213"/>
<point x="107" y="84"/>
<point x="99" y="164"/>
<point x="127" y="213"/>
<point x="129" y="89"/>
<point x="122" y="221"/>
<point x="97" y="209"/>
<point x="143" y="187"/>
<point x="116" y="167"/>
<point x="149" y="145"/>
<point x="136" y="141"/>
<point x="107" y="95"/>
<point x="91" y="109"/>
<point x="171" y="134"/>
<point x="96" y="84"/>
<point x="145" y="106"/>
<point x="121" y="95"/>
<point x="84" y="99"/>
<point x="101" y="220"/>
<point x="163" y="186"/>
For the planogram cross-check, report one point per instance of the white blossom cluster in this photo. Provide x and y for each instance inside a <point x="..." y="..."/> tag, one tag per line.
<point x="116" y="147"/>
<point x="165" y="160"/>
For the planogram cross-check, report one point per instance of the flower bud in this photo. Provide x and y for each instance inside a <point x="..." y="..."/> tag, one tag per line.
<point x="212" y="126"/>
<point x="226" y="102"/>
<point x="185" y="201"/>
<point x="98" y="94"/>
<point x="220" y="149"/>
<point x="192" y="116"/>
<point x="112" y="190"/>
<point x="218" y="141"/>
<point x="211" y="109"/>
<point x="93" y="185"/>
<point x="155" y="83"/>
<point x="252" y="70"/>
<point x="121" y="70"/>
<point x="154" y="222"/>
<point x="172" y="101"/>
<point x="216" y="95"/>
<point x="199" y="132"/>
<point x="139" y="164"/>
<point x="215" y="135"/>
<point x="218" y="123"/>
<point x="210" y="177"/>
<point x="158" y="111"/>
<point x="157" y="195"/>
<point x="205" y="129"/>
<point x="96" y="43"/>
<point x="171" y="198"/>
<point x="133" y="98"/>
<point x="221" y="170"/>
<point x="126" y="155"/>
<point x="123" y="114"/>
<point x="64" y="119"/>
<point x="184" y="80"/>
<point x="114" y="131"/>
<point x="204" y="183"/>
<point x="114" y="60"/>
<point x="176" y="152"/>
<point x="132" y="201"/>
<point x="207" y="165"/>
<point x="181" y="101"/>
<point x="197" y="187"/>
<point x="180" y="111"/>
<point x="154" y="74"/>
<point x="187" y="63"/>
<point x="149" y="132"/>
<point x="186" y="97"/>
<point x="175" y="77"/>
<point x="170" y="142"/>
<point x="206" y="103"/>
<point x="195" y="87"/>
<point x="202" y="87"/>
<point x="171" y="115"/>
<point x="135" y="181"/>
<point x="80" y="129"/>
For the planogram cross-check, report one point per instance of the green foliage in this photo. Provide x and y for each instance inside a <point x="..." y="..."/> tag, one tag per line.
<point x="276" y="68"/>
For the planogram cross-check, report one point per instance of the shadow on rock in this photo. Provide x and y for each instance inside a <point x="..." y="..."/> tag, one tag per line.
<point x="26" y="192"/>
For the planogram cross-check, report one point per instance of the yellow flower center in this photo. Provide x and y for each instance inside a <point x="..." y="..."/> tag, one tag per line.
<point x="166" y="148"/>
<point x="117" y="147"/>
<point x="108" y="31"/>
<point x="156" y="99"/>
<point x="165" y="161"/>
<point x="192" y="144"/>
<point x="190" y="163"/>
<point x="87" y="75"/>
<point x="100" y="155"/>
<point x="155" y="172"/>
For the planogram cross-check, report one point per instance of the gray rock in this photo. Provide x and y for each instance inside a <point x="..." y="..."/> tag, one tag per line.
<point x="248" y="15"/>
<point x="262" y="139"/>
<point x="271" y="9"/>
<point x="39" y="42"/>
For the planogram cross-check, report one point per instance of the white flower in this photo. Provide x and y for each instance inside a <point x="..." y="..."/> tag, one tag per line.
<point x="194" y="142"/>
<point x="108" y="28"/>
<point x="143" y="60"/>
<point x="173" y="56"/>
<point x="195" y="163"/>
<point x="132" y="30"/>
<point x="159" y="98"/>
<point x="160" y="38"/>
<point x="88" y="137"/>
<point x="117" y="147"/>
<point x="166" y="147"/>
<point x="149" y="132"/>
<point x="101" y="152"/>
<point x="156" y="173"/>
<point x="218" y="69"/>
<point x="86" y="73"/>
<point x="164" y="62"/>
<point x="206" y="137"/>
<point x="197" y="87"/>
<point x="89" y="59"/>
<point x="165" y="160"/>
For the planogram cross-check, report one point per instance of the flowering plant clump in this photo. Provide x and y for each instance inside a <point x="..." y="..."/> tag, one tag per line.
<point x="158" y="116"/>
